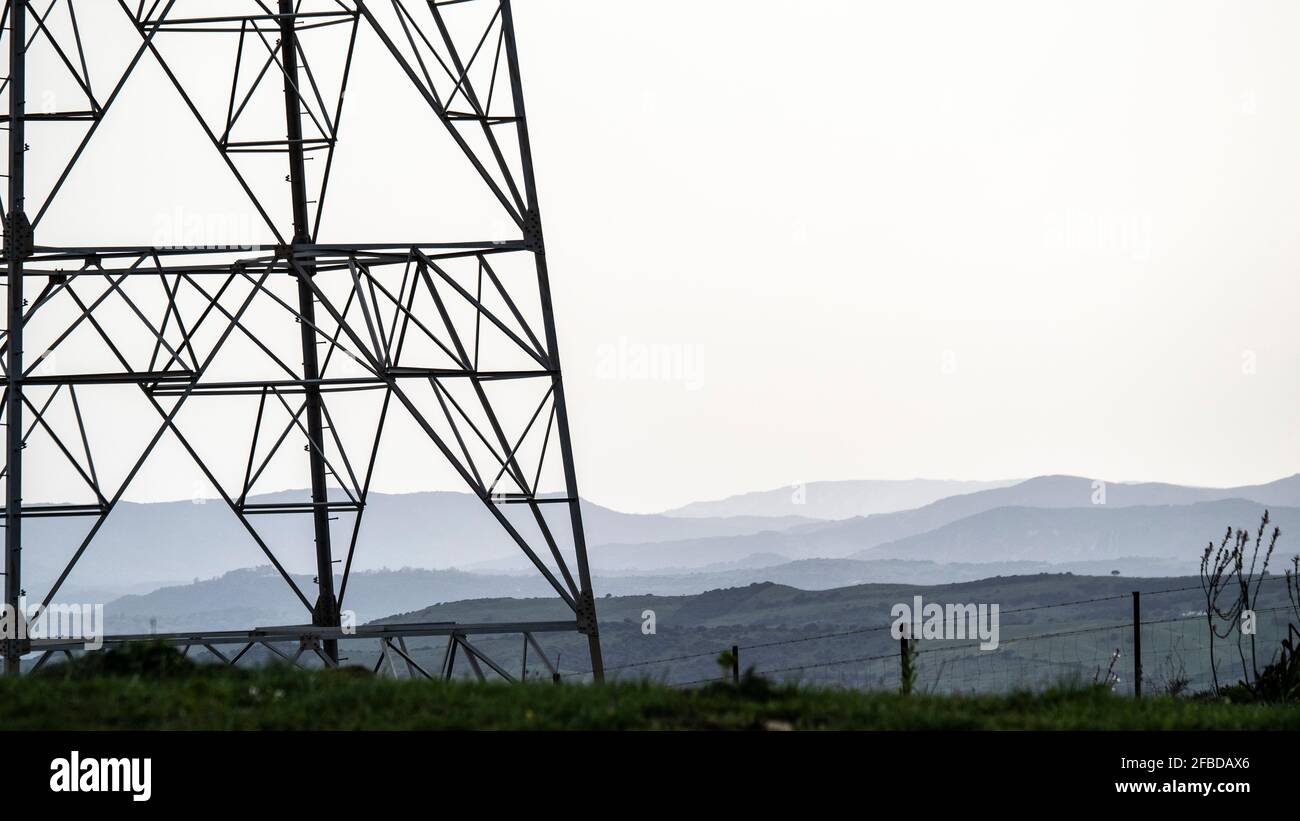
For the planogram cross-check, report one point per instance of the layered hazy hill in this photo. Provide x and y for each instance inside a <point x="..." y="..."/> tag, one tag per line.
<point x="1082" y="534"/>
<point x="259" y="597"/>
<point x="836" y="500"/>
<point x="1045" y="524"/>
<point x="1046" y="519"/>
<point x="783" y="628"/>
<point x="167" y="542"/>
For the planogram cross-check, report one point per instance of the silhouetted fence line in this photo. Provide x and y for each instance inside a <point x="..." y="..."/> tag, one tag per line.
<point x="1137" y="642"/>
<point x="1163" y="653"/>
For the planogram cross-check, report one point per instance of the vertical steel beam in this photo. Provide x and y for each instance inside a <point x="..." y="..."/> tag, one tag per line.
<point x="17" y="247"/>
<point x="449" y="659"/>
<point x="586" y="609"/>
<point x="326" y="612"/>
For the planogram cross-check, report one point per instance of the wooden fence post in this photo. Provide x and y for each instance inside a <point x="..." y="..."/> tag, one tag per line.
<point x="905" y="668"/>
<point x="1137" y="644"/>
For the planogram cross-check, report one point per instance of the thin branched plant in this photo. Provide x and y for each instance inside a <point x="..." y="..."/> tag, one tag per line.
<point x="1112" y="678"/>
<point x="1293" y="586"/>
<point x="1230" y="579"/>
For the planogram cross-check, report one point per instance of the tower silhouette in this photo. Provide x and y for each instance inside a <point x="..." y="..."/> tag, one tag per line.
<point x="300" y="343"/>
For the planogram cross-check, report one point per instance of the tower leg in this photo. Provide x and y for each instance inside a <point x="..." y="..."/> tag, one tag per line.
<point x="533" y="236"/>
<point x="326" y="612"/>
<point x="17" y="247"/>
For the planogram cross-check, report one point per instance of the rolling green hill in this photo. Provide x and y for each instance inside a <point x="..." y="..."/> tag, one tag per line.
<point x="840" y="637"/>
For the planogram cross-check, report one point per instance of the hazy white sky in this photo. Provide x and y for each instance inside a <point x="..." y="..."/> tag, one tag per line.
<point x="1087" y="211"/>
<point x="830" y="240"/>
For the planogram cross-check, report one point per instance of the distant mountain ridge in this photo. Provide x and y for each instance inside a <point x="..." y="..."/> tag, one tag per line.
<point x="1049" y="524"/>
<point x="258" y="597"/>
<point x="1076" y="491"/>
<point x="1011" y="534"/>
<point x="1046" y="520"/>
<point x="170" y="542"/>
<point x="838" y="539"/>
<point x="838" y="499"/>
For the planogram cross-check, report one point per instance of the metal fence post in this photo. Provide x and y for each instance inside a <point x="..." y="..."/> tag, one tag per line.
<point x="1137" y="644"/>
<point x="735" y="664"/>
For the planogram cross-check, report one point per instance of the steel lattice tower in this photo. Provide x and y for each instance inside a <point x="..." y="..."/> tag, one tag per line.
<point x="436" y="331"/>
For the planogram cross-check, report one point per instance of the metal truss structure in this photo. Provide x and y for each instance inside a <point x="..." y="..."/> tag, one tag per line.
<point x="309" y="642"/>
<point x="312" y="340"/>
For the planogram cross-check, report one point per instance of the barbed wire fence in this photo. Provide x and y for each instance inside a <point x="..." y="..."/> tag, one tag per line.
<point x="1132" y="654"/>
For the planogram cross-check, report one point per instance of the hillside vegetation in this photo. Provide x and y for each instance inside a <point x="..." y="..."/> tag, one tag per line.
<point x="805" y="635"/>
<point x="154" y="688"/>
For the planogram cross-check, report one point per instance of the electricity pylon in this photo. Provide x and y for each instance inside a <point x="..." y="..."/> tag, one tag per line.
<point x="311" y="337"/>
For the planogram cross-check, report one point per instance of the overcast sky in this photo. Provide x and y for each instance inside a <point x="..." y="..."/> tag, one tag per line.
<point x="831" y="240"/>
<point x="1088" y="211"/>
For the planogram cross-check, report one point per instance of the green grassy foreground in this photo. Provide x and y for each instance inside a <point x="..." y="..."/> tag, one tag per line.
<point x="168" y="693"/>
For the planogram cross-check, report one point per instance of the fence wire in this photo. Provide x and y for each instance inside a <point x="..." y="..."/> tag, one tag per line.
<point x="1039" y="645"/>
<point x="1030" y="654"/>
